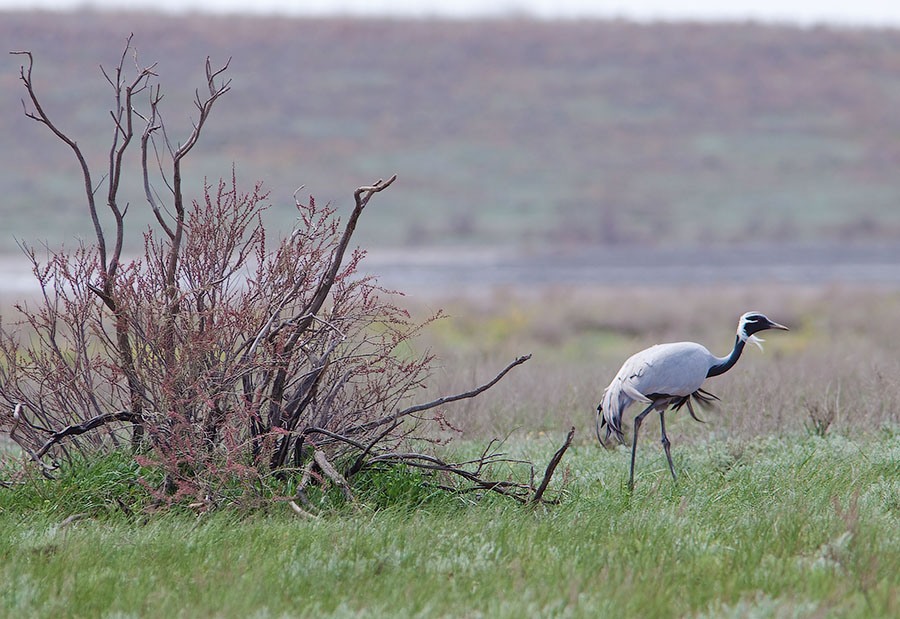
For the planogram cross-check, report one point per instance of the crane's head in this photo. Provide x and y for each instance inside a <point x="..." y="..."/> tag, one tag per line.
<point x="754" y="322"/>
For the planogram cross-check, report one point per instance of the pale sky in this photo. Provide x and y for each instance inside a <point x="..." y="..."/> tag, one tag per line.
<point x="805" y="12"/>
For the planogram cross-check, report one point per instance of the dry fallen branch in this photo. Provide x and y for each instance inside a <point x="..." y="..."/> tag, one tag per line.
<point x="332" y="474"/>
<point x="514" y="490"/>
<point x="518" y="491"/>
<point x="304" y="482"/>
<point x="551" y="467"/>
<point x="301" y="512"/>
<point x="87" y="426"/>
<point x="58" y="436"/>
<point x="361" y="459"/>
<point x="70" y="520"/>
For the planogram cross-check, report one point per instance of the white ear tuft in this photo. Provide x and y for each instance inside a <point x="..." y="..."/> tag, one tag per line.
<point x="749" y="338"/>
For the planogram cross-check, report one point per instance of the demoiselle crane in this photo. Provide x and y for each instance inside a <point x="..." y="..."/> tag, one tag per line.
<point x="669" y="375"/>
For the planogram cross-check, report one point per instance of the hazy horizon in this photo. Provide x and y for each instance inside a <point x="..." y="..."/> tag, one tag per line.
<point x="872" y="13"/>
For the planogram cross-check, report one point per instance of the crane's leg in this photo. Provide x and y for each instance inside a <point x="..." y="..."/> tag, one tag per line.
<point x="665" y="443"/>
<point x="637" y="426"/>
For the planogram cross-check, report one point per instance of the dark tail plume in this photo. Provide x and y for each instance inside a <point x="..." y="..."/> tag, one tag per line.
<point x="600" y="423"/>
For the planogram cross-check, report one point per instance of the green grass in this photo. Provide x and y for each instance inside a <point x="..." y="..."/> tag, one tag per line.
<point x="773" y="527"/>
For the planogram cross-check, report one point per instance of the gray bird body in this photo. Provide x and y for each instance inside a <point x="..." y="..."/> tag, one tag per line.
<point x="670" y="370"/>
<point x="670" y="375"/>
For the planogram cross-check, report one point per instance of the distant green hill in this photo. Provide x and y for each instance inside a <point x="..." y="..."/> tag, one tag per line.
<point x="522" y="133"/>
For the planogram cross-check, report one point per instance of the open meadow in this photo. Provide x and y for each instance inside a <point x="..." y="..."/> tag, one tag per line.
<point x="573" y="191"/>
<point x="787" y="503"/>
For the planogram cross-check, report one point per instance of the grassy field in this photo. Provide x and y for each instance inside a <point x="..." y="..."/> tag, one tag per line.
<point x="530" y="135"/>
<point x="776" y="527"/>
<point x="787" y="503"/>
<point x="839" y="357"/>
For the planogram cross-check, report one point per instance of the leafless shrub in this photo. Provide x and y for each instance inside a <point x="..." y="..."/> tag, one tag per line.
<point x="228" y="355"/>
<point x="822" y="413"/>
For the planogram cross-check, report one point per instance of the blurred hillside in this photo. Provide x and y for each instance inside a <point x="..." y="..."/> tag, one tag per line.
<point x="504" y="133"/>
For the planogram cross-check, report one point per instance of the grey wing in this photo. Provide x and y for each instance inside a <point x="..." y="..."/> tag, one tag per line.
<point x="664" y="369"/>
<point x="672" y="369"/>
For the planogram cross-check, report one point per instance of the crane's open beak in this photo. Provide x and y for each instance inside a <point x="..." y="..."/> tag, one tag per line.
<point x="775" y="325"/>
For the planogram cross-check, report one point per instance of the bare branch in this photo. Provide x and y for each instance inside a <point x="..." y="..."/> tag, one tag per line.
<point x="514" y="490"/>
<point x="551" y="466"/>
<point x="362" y="196"/>
<point x="335" y="436"/>
<point x="41" y="116"/>
<point x="361" y="460"/>
<point x="332" y="474"/>
<point x="204" y="106"/>
<point x="439" y="402"/>
<point x="87" y="426"/>
<point x="116" y="153"/>
<point x="151" y="127"/>
<point x="301" y="512"/>
<point x="70" y="520"/>
<point x="106" y="75"/>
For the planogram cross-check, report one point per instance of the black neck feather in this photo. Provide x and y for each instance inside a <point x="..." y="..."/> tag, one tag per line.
<point x="728" y="363"/>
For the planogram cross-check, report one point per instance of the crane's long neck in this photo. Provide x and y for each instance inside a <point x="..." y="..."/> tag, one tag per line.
<point x="726" y="363"/>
